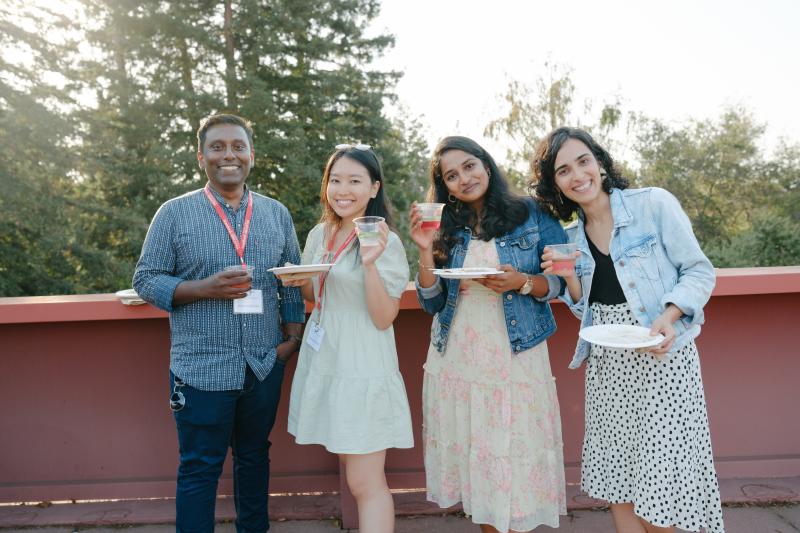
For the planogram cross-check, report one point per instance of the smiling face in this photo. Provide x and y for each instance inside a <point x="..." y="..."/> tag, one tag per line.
<point x="577" y="173"/>
<point x="350" y="188"/>
<point x="465" y="176"/>
<point x="226" y="157"/>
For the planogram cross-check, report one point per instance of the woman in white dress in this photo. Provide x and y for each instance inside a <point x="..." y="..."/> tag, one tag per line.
<point x="491" y="424"/>
<point x="347" y="393"/>
<point x="647" y="447"/>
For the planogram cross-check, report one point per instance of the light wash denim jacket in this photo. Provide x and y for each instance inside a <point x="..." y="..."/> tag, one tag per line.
<point x="657" y="260"/>
<point x="529" y="320"/>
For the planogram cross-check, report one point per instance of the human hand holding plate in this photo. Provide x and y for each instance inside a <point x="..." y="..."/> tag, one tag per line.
<point x="466" y="272"/>
<point x="509" y="280"/>
<point x="663" y="326"/>
<point x="298" y="275"/>
<point x="621" y="336"/>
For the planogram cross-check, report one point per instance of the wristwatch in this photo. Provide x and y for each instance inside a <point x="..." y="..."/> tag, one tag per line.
<point x="528" y="287"/>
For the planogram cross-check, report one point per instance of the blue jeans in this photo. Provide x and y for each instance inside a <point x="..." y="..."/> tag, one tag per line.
<point x="209" y="423"/>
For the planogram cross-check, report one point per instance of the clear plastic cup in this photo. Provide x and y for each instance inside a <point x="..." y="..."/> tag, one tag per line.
<point x="249" y="268"/>
<point x="563" y="259"/>
<point x="431" y="215"/>
<point x="368" y="230"/>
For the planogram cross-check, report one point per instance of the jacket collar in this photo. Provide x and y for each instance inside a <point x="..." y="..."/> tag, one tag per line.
<point x="619" y="211"/>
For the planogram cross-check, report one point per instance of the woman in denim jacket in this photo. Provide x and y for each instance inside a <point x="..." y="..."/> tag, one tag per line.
<point x="491" y="426"/>
<point x="647" y="447"/>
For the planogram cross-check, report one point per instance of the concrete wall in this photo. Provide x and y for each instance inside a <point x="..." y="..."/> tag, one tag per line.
<point x="84" y="388"/>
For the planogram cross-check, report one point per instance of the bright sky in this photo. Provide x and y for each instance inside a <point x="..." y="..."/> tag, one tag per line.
<point x="672" y="59"/>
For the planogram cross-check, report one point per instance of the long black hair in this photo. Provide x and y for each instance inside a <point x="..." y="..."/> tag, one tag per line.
<point x="376" y="207"/>
<point x="543" y="181"/>
<point x="502" y="210"/>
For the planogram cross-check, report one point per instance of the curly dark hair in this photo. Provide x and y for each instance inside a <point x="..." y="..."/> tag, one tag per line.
<point x="542" y="184"/>
<point x="502" y="209"/>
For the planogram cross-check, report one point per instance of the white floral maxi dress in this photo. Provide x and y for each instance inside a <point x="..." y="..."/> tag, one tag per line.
<point x="647" y="439"/>
<point x="491" y="426"/>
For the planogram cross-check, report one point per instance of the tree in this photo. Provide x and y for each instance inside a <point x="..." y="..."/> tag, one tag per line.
<point x="534" y="111"/>
<point x="151" y="70"/>
<point x="710" y="166"/>
<point x="37" y="247"/>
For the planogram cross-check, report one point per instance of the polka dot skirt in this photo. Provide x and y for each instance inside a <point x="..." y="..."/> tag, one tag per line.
<point x="647" y="439"/>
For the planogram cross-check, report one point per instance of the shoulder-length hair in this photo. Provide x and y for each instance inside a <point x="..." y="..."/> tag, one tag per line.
<point x="502" y="210"/>
<point x="378" y="206"/>
<point x="543" y="182"/>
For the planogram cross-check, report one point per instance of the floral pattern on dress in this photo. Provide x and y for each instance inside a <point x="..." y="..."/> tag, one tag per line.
<point x="491" y="425"/>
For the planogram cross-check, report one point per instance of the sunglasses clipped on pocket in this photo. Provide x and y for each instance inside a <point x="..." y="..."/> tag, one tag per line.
<point x="177" y="400"/>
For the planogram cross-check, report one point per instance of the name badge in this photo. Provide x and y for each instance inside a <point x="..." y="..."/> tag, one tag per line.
<point x="314" y="338"/>
<point x="251" y="304"/>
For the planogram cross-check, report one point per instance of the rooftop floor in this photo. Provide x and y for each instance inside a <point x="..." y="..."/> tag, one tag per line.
<point x="770" y="505"/>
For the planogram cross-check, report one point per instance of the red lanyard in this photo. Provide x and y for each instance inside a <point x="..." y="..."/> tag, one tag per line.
<point x="324" y="275"/>
<point x="238" y="244"/>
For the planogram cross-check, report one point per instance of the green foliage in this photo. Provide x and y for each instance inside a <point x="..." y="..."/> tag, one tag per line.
<point x="533" y="111"/>
<point x="148" y="72"/>
<point x="770" y="241"/>
<point x="744" y="207"/>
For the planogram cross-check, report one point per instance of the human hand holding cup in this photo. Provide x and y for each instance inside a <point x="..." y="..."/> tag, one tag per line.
<point x="424" y="220"/>
<point x="245" y="272"/>
<point x="229" y="283"/>
<point x="559" y="259"/>
<point x="373" y="234"/>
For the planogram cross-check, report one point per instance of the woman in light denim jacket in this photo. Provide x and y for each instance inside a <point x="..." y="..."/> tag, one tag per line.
<point x="647" y="448"/>
<point x="491" y="426"/>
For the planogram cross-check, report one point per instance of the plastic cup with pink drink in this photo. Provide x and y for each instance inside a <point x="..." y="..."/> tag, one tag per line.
<point x="563" y="258"/>
<point x="431" y="215"/>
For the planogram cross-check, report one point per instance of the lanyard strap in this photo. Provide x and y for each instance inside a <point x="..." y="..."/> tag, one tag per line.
<point x="324" y="275"/>
<point x="238" y="245"/>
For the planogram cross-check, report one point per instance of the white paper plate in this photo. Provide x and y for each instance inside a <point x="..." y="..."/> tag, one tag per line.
<point x="301" y="271"/>
<point x="620" y="336"/>
<point x="129" y="297"/>
<point x="466" y="273"/>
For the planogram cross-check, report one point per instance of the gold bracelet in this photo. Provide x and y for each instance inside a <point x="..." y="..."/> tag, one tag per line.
<point x="419" y="262"/>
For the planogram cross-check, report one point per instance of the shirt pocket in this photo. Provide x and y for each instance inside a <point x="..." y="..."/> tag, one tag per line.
<point x="524" y="248"/>
<point x="642" y="255"/>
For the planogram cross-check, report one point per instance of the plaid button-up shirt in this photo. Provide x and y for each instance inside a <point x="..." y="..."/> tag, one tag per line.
<point x="211" y="345"/>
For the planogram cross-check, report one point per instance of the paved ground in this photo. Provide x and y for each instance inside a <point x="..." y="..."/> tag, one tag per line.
<point x="746" y="519"/>
<point x="752" y="506"/>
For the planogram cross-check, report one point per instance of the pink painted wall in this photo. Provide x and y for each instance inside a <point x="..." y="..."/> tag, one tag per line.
<point x="83" y="394"/>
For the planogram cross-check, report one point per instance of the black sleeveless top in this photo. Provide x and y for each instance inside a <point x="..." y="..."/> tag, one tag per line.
<point x="605" y="285"/>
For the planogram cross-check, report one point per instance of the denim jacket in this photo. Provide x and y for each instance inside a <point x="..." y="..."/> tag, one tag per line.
<point x="657" y="259"/>
<point x="529" y="320"/>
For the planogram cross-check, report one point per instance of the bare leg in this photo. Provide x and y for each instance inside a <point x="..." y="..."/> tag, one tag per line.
<point x="367" y="481"/>
<point x="625" y="520"/>
<point x="650" y="528"/>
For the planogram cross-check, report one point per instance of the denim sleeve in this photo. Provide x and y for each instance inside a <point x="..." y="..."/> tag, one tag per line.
<point x="578" y="307"/>
<point x="292" y="307"/>
<point x="550" y="232"/>
<point x="696" y="275"/>
<point x="153" y="279"/>
<point x="433" y="298"/>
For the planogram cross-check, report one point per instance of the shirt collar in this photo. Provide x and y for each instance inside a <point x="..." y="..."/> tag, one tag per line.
<point x="223" y="201"/>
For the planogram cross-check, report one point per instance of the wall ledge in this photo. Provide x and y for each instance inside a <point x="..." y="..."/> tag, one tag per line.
<point x="90" y="307"/>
